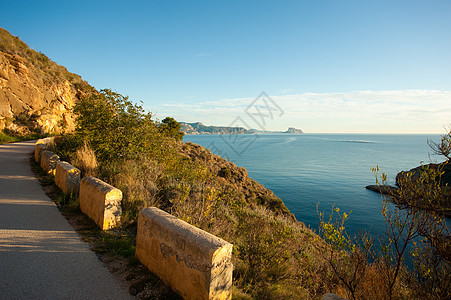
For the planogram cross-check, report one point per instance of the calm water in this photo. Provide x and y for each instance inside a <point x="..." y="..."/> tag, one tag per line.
<point x="328" y="169"/>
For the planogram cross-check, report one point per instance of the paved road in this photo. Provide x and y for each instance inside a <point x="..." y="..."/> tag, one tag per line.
<point x="41" y="256"/>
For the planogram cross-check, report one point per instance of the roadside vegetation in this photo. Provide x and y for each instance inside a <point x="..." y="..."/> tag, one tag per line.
<point x="11" y="137"/>
<point x="274" y="256"/>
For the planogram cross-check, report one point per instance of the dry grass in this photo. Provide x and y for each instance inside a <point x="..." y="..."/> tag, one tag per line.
<point x="138" y="180"/>
<point x="85" y="160"/>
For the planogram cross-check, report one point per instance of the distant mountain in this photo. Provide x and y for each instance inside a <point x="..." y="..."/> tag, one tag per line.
<point x="199" y="128"/>
<point x="294" y="130"/>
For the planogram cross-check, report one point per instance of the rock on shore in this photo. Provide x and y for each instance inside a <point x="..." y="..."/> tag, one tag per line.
<point x="381" y="189"/>
<point x="445" y="179"/>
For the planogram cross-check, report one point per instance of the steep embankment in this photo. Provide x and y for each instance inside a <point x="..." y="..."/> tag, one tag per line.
<point x="229" y="174"/>
<point x="36" y="94"/>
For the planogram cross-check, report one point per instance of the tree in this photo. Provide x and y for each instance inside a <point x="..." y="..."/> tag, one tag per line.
<point x="114" y="126"/>
<point x="444" y="147"/>
<point x="347" y="260"/>
<point x="415" y="220"/>
<point x="170" y="127"/>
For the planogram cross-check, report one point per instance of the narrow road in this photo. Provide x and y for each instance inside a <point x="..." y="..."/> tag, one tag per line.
<point x="41" y="256"/>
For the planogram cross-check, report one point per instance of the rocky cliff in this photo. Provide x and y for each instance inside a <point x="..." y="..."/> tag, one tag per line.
<point x="36" y="94"/>
<point x="293" y="130"/>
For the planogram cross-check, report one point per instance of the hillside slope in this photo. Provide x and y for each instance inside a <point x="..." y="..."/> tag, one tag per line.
<point x="36" y="94"/>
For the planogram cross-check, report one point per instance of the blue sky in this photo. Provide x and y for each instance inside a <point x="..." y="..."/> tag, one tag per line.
<point x="331" y="66"/>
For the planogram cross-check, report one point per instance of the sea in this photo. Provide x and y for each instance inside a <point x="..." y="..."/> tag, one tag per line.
<point x="313" y="172"/>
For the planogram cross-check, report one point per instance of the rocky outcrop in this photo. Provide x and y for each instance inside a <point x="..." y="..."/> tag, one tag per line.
<point x="293" y="130"/>
<point x="36" y="94"/>
<point x="444" y="179"/>
<point x="382" y="189"/>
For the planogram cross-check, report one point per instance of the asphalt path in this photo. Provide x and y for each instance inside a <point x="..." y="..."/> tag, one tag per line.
<point x="41" y="255"/>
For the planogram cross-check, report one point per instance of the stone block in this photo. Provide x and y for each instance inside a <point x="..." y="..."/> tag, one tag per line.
<point x="38" y="148"/>
<point x="48" y="161"/>
<point x="193" y="262"/>
<point x="67" y="177"/>
<point x="101" y="202"/>
<point x="40" y="145"/>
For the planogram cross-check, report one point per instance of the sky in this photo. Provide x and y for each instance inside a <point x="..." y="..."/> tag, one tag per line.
<point x="322" y="66"/>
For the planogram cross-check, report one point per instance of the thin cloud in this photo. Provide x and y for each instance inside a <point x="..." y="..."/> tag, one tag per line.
<point x="403" y="111"/>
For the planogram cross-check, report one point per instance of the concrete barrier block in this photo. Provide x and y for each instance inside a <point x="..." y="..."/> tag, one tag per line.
<point x="48" y="161"/>
<point x="101" y="202"/>
<point x="41" y="145"/>
<point x="193" y="262"/>
<point x="67" y="177"/>
<point x="38" y="148"/>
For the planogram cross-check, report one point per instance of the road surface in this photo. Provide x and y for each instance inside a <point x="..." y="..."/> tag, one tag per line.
<point x="41" y="255"/>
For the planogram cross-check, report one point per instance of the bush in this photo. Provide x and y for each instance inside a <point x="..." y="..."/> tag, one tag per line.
<point x="225" y="172"/>
<point x="171" y="128"/>
<point x="115" y="127"/>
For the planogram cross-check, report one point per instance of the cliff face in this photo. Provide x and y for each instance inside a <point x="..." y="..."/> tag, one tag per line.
<point x="36" y="94"/>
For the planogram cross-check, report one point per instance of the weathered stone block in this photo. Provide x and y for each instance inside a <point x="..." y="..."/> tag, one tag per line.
<point x="38" y="148"/>
<point x="48" y="161"/>
<point x="67" y="177"/>
<point x="40" y="145"/>
<point x="101" y="202"/>
<point x="193" y="262"/>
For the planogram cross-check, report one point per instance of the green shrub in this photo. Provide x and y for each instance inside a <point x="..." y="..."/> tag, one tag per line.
<point x="171" y="128"/>
<point x="225" y="172"/>
<point x="6" y="138"/>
